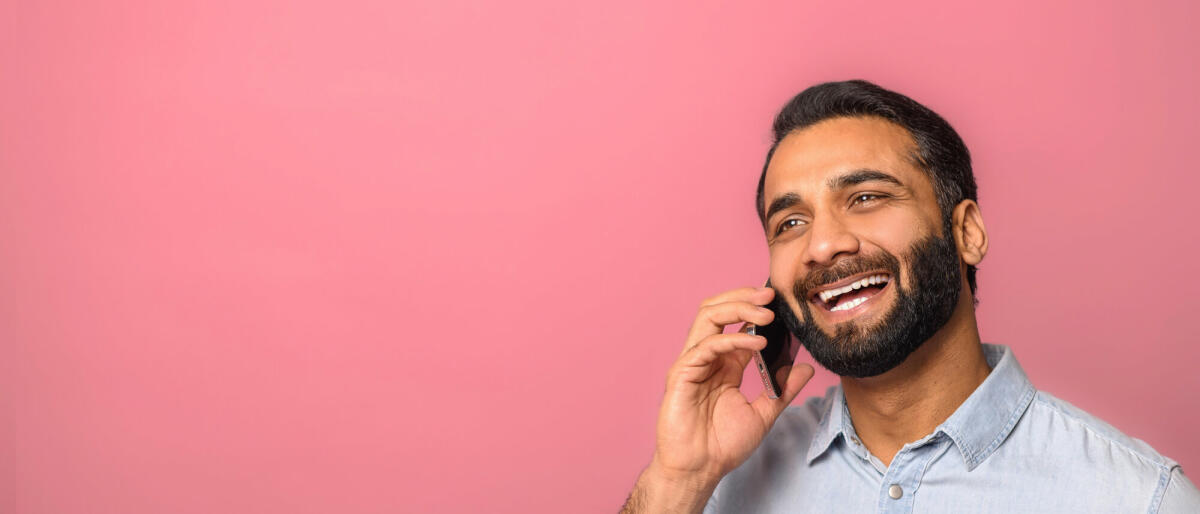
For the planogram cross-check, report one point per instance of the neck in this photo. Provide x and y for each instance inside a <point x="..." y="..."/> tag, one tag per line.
<point x="908" y="402"/>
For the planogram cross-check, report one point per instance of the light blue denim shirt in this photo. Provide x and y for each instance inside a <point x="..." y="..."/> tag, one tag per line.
<point x="1008" y="448"/>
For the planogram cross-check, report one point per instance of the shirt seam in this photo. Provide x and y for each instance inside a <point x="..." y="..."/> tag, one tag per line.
<point x="1160" y="466"/>
<point x="1026" y="398"/>
<point x="1164" y="481"/>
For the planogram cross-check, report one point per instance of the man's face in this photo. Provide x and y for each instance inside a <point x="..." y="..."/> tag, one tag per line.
<point x="846" y="203"/>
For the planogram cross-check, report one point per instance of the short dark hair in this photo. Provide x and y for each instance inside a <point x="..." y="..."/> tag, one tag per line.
<point x="940" y="152"/>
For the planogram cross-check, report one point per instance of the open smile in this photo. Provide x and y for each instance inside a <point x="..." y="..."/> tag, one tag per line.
<point x="852" y="296"/>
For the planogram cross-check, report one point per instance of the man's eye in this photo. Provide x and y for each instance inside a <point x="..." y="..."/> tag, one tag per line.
<point x="787" y="224"/>
<point x="869" y="197"/>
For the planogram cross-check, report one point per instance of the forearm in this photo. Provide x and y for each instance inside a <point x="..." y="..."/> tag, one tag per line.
<point x="658" y="491"/>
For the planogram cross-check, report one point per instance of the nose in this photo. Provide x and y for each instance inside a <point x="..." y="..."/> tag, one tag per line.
<point x="828" y="238"/>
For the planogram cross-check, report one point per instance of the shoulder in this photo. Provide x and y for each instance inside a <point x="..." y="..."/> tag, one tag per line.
<point x="1064" y="423"/>
<point x="1093" y="452"/>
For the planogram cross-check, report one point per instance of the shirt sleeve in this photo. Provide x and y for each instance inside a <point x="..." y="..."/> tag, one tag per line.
<point x="1180" y="496"/>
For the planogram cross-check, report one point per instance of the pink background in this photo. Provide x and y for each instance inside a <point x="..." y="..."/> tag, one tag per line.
<point x="367" y="257"/>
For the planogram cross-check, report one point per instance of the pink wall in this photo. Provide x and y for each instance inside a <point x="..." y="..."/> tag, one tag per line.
<point x="367" y="257"/>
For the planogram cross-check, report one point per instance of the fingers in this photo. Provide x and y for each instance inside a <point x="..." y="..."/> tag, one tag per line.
<point x="712" y="319"/>
<point x="731" y="307"/>
<point x="713" y="347"/>
<point x="741" y="294"/>
<point x="797" y="377"/>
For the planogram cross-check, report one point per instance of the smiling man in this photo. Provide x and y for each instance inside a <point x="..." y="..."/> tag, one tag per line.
<point x="868" y="204"/>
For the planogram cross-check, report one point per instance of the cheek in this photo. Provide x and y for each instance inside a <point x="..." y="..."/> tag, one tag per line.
<point x="784" y="266"/>
<point x="891" y="229"/>
<point x="896" y="235"/>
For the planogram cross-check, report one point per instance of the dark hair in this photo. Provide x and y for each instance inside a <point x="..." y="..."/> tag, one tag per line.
<point x="940" y="152"/>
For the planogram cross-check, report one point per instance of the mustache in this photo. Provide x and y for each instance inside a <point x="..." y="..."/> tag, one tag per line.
<point x="818" y="277"/>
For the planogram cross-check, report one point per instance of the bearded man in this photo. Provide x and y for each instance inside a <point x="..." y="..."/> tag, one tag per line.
<point x="868" y="204"/>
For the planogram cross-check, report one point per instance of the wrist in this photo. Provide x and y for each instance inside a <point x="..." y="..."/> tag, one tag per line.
<point x="669" y="490"/>
<point x="683" y="477"/>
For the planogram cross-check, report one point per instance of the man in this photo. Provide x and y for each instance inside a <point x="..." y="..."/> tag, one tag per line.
<point x="868" y="203"/>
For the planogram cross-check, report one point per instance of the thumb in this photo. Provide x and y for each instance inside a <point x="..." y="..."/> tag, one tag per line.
<point x="797" y="376"/>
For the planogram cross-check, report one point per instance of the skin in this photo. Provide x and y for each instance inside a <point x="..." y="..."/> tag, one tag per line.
<point x="908" y="402"/>
<point x="706" y="427"/>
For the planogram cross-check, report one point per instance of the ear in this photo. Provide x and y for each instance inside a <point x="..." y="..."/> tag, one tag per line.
<point x="969" y="233"/>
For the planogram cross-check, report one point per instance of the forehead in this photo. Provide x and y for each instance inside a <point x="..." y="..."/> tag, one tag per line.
<point x="806" y="158"/>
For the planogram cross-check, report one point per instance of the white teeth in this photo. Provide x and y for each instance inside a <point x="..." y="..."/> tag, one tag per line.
<point x="871" y="280"/>
<point x="849" y="305"/>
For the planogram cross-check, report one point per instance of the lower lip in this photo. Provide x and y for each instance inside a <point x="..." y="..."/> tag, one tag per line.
<point x="843" y="315"/>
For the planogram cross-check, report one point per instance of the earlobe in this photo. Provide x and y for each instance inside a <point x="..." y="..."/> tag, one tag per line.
<point x="969" y="232"/>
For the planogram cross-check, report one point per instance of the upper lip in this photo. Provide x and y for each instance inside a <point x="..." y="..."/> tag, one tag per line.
<point x="813" y="295"/>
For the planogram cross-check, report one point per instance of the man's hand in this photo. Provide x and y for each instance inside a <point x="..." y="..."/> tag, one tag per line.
<point x="706" y="428"/>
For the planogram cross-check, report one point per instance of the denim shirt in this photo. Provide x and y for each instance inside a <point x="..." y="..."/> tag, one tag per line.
<point x="1008" y="448"/>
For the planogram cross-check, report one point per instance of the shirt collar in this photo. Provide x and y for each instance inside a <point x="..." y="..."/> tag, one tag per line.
<point x="831" y="423"/>
<point x="977" y="427"/>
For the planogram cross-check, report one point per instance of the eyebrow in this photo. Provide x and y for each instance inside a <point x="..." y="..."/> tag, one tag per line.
<point x="858" y="177"/>
<point x="853" y="178"/>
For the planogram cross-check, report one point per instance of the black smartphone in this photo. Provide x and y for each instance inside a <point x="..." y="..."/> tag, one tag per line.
<point x="780" y="350"/>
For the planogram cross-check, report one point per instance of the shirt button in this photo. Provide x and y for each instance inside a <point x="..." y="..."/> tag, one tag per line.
<point x="855" y="439"/>
<point x="895" y="492"/>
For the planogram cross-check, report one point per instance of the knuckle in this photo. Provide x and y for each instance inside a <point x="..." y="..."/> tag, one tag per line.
<point x="747" y="312"/>
<point x="709" y="341"/>
<point x="757" y="312"/>
<point x="712" y="312"/>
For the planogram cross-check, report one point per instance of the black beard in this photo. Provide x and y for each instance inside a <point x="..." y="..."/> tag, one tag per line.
<point x="859" y="351"/>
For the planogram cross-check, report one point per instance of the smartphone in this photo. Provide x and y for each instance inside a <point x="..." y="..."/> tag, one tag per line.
<point x="780" y="350"/>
